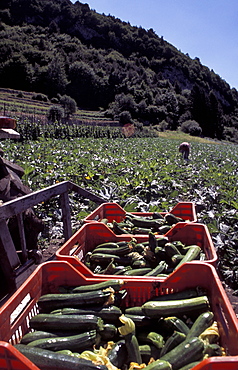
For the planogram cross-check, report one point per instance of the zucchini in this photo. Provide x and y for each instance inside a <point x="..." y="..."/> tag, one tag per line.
<point x="37" y="334"/>
<point x="158" y="365"/>
<point x="173" y="341"/>
<point x="145" y="223"/>
<point x="162" y="240"/>
<point x="117" y="229"/>
<point x="171" y="250"/>
<point x="183" y="294"/>
<point x="139" y="320"/>
<point x="190" y="365"/>
<point x="203" y="321"/>
<point x="128" y="332"/>
<point x="171" y="219"/>
<point x="162" y="266"/>
<point x="173" y="323"/>
<point x="138" y="272"/>
<point x="151" y="338"/>
<point x="118" y="251"/>
<point x="137" y="310"/>
<point x="149" y="351"/>
<point x="192" y="253"/>
<point x="188" y="351"/>
<point x="213" y="350"/>
<point x="117" y="355"/>
<point x="51" y="322"/>
<point x="78" y="342"/>
<point x="103" y="258"/>
<point x="109" y="332"/>
<point x="110" y="313"/>
<point x="49" y="360"/>
<point x="181" y="306"/>
<point x="152" y="241"/>
<point x="114" y="284"/>
<point x="164" y="229"/>
<point x="51" y="301"/>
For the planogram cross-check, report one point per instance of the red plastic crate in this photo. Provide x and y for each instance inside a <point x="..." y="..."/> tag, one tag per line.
<point x="92" y="234"/>
<point x="113" y="211"/>
<point x="50" y="275"/>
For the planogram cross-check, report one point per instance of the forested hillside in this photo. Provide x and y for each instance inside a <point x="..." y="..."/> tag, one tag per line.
<point x="55" y="47"/>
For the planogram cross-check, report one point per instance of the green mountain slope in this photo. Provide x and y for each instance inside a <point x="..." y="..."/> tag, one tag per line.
<point x="56" y="47"/>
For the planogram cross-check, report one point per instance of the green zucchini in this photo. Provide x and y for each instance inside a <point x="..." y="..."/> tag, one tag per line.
<point x="117" y="229"/>
<point x="115" y="284"/>
<point x="104" y="258"/>
<point x="173" y="341"/>
<point x="188" y="351"/>
<point x="149" y="351"/>
<point x="49" y="360"/>
<point x="152" y="338"/>
<point x="137" y="310"/>
<point x="202" y="322"/>
<point x="190" y="365"/>
<point x="51" y="301"/>
<point x="51" y="322"/>
<point x="77" y="342"/>
<point x="173" y="323"/>
<point x="176" y="307"/>
<point x="176" y="258"/>
<point x="107" y="245"/>
<point x="109" y="332"/>
<point x="139" y="320"/>
<point x="152" y="241"/>
<point x="140" y="230"/>
<point x="118" y="251"/>
<point x="37" y="334"/>
<point x="108" y="313"/>
<point x="164" y="229"/>
<point x="117" y="355"/>
<point x="138" y="272"/>
<point x="192" y="253"/>
<point x="132" y="345"/>
<point x="171" y="219"/>
<point x="162" y="240"/>
<point x="161" y="267"/>
<point x="171" y="250"/>
<point x="213" y="350"/>
<point x="183" y="294"/>
<point x="145" y="223"/>
<point x="158" y="365"/>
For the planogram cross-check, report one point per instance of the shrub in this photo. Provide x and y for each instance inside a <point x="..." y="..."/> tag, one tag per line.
<point x="40" y="97"/>
<point x="191" y="127"/>
<point x="55" y="113"/>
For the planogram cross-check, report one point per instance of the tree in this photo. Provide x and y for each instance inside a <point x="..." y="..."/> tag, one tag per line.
<point x="55" y="113"/>
<point x="69" y="105"/>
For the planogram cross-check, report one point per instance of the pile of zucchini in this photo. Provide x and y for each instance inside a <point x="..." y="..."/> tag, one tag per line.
<point x="90" y="327"/>
<point x="156" y="257"/>
<point x="135" y="224"/>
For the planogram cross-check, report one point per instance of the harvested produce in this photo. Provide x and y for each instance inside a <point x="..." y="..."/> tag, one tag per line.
<point x="121" y="340"/>
<point x="152" y="258"/>
<point x="134" y="224"/>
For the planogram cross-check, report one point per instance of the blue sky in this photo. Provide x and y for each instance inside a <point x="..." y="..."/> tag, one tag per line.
<point x="207" y="29"/>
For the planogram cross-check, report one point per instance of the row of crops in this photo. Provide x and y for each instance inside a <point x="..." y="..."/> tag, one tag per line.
<point x="141" y="174"/>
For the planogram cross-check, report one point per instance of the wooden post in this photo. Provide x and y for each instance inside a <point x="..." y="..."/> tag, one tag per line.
<point x="64" y="204"/>
<point x="22" y="236"/>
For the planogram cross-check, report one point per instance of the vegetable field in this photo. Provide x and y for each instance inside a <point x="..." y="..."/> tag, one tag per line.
<point x="141" y="174"/>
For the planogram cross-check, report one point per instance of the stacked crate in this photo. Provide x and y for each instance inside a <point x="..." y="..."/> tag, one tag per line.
<point x="70" y="269"/>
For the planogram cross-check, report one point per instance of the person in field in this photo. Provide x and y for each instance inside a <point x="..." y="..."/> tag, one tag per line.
<point x="184" y="149"/>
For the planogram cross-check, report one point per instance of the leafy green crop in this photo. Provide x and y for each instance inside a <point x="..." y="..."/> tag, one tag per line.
<point x="143" y="175"/>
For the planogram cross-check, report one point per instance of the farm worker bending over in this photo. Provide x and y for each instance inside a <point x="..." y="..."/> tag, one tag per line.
<point x="184" y="148"/>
